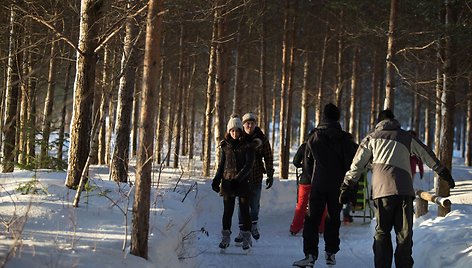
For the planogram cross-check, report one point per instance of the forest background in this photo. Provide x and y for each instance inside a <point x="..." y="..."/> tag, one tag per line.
<point x="113" y="82"/>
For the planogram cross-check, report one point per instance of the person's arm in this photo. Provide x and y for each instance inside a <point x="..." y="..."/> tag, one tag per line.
<point x="268" y="158"/>
<point x="298" y="158"/>
<point x="429" y="158"/>
<point x="359" y="164"/>
<point x="421" y="168"/>
<point x="215" y="184"/>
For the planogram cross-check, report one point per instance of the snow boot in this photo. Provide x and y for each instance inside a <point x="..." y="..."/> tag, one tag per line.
<point x="330" y="258"/>
<point x="225" y="239"/>
<point x="255" y="231"/>
<point x="247" y="243"/>
<point x="308" y="261"/>
<point x="239" y="239"/>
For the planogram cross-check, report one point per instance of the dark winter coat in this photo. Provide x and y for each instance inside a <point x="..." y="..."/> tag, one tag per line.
<point x="262" y="151"/>
<point x="328" y="156"/>
<point x="235" y="166"/>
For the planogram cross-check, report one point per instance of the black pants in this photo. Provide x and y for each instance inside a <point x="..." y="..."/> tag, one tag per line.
<point x="397" y="212"/>
<point x="229" y="202"/>
<point x="318" y="201"/>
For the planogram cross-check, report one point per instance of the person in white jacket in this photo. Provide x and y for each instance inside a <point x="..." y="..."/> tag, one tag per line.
<point x="387" y="149"/>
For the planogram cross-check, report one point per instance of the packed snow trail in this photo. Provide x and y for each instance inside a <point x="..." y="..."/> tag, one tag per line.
<point x="276" y="247"/>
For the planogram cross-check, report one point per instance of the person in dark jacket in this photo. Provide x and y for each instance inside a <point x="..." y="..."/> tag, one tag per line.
<point x="387" y="149"/>
<point x="303" y="193"/>
<point x="327" y="158"/>
<point x="232" y="180"/>
<point x="263" y="163"/>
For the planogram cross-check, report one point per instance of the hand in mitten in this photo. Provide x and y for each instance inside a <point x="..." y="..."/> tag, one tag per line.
<point x="269" y="182"/>
<point x="215" y="185"/>
<point x="348" y="193"/>
<point x="447" y="177"/>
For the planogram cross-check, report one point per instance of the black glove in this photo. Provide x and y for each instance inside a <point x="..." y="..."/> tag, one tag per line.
<point x="269" y="182"/>
<point x="215" y="185"/>
<point x="348" y="193"/>
<point x="447" y="177"/>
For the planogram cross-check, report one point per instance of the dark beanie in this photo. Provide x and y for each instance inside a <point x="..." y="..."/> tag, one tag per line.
<point x="385" y="114"/>
<point x="331" y="112"/>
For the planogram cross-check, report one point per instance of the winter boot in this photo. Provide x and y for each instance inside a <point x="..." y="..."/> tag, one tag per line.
<point x="330" y="258"/>
<point x="225" y="238"/>
<point x="239" y="239"/>
<point x="247" y="243"/>
<point x="255" y="231"/>
<point x="308" y="261"/>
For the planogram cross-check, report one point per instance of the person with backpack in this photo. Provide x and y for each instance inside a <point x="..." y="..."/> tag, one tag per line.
<point x="328" y="156"/>
<point x="232" y="180"/>
<point x="303" y="193"/>
<point x="387" y="150"/>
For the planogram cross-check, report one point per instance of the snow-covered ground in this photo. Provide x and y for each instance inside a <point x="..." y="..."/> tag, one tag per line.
<point x="185" y="225"/>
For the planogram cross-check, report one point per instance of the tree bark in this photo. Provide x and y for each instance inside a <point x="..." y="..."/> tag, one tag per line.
<point x="11" y="96"/>
<point x="448" y="101"/>
<point x="468" y="132"/>
<point x="320" y="95"/>
<point x="63" y="113"/>
<point x="83" y="88"/>
<point x="48" y="105"/>
<point x="305" y="103"/>
<point x="263" y="116"/>
<point x="375" y="92"/>
<point x="340" y="62"/>
<point x="354" y="95"/>
<point x="391" y="50"/>
<point x="179" y="99"/>
<point x="209" y="101"/>
<point x="141" y="205"/>
<point x="120" y="159"/>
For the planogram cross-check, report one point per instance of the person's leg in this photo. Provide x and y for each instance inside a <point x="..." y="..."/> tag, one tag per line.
<point x="300" y="208"/>
<point x="384" y="214"/>
<point x="312" y="221"/>
<point x="404" y="233"/>
<point x="246" y="218"/>
<point x="254" y="205"/>
<point x="228" y="202"/>
<point x="333" y="222"/>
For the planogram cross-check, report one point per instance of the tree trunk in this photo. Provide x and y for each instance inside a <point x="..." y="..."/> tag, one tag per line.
<point x="283" y="93"/>
<point x="263" y="116"/>
<point x="63" y="113"/>
<point x="390" y="72"/>
<point x="179" y="99"/>
<point x="160" y="123"/>
<point x="83" y="90"/>
<point x="111" y="114"/>
<point x="448" y="101"/>
<point x="427" y="124"/>
<point x="305" y="105"/>
<point x="12" y="93"/>
<point x="274" y="103"/>
<point x="191" y="110"/>
<point x="135" y="114"/>
<point x="221" y="79"/>
<point x="170" y="118"/>
<point x="209" y="101"/>
<point x="141" y="205"/>
<point x="340" y="62"/>
<point x="48" y="105"/>
<point x="354" y="82"/>
<point x="120" y="159"/>
<point x="375" y="92"/>
<point x="104" y="113"/>
<point x="237" y="96"/>
<point x="320" y="95"/>
<point x="438" y="118"/>
<point x="468" y="132"/>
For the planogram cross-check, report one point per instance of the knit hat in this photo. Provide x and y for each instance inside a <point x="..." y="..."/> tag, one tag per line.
<point x="249" y="117"/>
<point x="234" y="122"/>
<point x="331" y="112"/>
<point x="385" y="114"/>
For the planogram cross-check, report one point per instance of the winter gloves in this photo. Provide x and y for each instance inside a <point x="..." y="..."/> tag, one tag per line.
<point x="269" y="182"/>
<point x="215" y="185"/>
<point x="348" y="193"/>
<point x="445" y="174"/>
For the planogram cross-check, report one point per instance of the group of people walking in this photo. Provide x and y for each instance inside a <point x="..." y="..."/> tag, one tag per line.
<point x="332" y="164"/>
